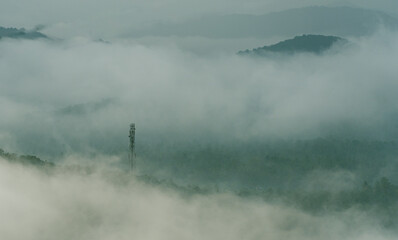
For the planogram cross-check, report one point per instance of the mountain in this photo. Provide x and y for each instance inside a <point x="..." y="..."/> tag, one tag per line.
<point x="20" y="33"/>
<point x="340" y="21"/>
<point x="305" y="43"/>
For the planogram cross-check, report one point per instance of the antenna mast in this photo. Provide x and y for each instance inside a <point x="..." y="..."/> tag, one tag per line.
<point x="132" y="142"/>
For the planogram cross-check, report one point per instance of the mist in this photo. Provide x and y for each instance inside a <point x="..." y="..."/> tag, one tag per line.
<point x="286" y="145"/>
<point x="78" y="95"/>
<point x="110" y="205"/>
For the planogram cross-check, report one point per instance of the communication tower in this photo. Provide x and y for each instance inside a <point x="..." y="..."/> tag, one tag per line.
<point x="132" y="144"/>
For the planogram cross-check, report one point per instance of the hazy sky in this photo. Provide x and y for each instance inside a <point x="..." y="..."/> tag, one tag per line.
<point x="103" y="18"/>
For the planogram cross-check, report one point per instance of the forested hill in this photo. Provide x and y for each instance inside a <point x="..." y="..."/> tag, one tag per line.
<point x="305" y="43"/>
<point x="279" y="164"/>
<point x="20" y="33"/>
<point x="23" y="159"/>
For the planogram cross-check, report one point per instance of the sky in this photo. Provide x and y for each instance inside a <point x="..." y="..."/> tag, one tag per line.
<point x="109" y="19"/>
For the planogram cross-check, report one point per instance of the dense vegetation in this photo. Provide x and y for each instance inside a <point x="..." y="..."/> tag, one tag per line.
<point x="280" y="172"/>
<point x="261" y="163"/>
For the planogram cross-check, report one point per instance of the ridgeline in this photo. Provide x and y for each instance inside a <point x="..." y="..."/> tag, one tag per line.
<point x="316" y="44"/>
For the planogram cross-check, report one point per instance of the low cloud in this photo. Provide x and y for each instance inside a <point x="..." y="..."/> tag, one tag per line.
<point x="113" y="205"/>
<point x="80" y="95"/>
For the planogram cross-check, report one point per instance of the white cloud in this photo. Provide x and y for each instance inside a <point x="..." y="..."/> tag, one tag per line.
<point x="112" y="205"/>
<point x="167" y="90"/>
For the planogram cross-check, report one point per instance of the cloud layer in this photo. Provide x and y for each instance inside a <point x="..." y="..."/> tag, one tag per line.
<point x="112" y="205"/>
<point x="77" y="95"/>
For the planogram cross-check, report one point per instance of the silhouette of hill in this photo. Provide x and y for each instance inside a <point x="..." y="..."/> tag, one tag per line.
<point x="20" y="33"/>
<point x="305" y="43"/>
<point x="24" y="159"/>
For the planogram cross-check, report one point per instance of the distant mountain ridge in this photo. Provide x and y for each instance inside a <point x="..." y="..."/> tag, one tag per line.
<point x="340" y="21"/>
<point x="24" y="159"/>
<point x="20" y="33"/>
<point x="306" y="43"/>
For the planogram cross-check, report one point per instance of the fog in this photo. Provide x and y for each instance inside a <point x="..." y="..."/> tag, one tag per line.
<point x="80" y="95"/>
<point x="111" y="205"/>
<point x="289" y="146"/>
